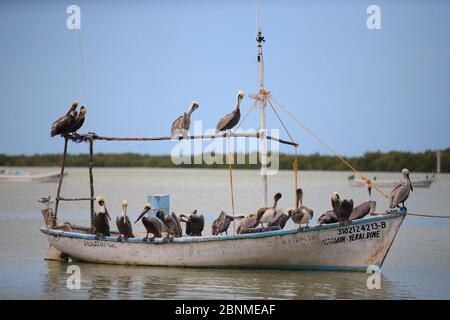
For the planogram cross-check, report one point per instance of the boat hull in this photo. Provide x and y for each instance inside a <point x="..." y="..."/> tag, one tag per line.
<point x="328" y="247"/>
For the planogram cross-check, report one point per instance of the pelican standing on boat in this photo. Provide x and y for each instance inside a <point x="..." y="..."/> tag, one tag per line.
<point x="248" y="222"/>
<point x="151" y="224"/>
<point x="342" y="207"/>
<point x="232" y="119"/>
<point x="181" y="125"/>
<point x="123" y="223"/>
<point x="280" y="219"/>
<point x="171" y="222"/>
<point x="101" y="219"/>
<point x="327" y="218"/>
<point x="222" y="223"/>
<point x="265" y="215"/>
<point x="194" y="223"/>
<point x="364" y="208"/>
<point x="301" y="214"/>
<point x="63" y="125"/>
<point x="401" y="192"/>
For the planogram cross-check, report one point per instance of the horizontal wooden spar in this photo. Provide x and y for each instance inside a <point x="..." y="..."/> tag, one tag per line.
<point x="93" y="136"/>
<point x="75" y="199"/>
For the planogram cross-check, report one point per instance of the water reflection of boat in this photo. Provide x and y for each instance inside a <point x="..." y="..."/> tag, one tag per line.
<point x="19" y="176"/>
<point x="133" y="282"/>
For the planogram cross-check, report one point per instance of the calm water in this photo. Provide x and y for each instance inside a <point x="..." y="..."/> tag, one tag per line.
<point x="417" y="266"/>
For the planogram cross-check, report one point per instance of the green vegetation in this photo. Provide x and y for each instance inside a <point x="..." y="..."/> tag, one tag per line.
<point x="370" y="161"/>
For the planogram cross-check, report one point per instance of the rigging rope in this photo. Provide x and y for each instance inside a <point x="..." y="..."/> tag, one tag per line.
<point x="230" y="159"/>
<point x="365" y="179"/>
<point x="83" y="73"/>
<point x="246" y="115"/>
<point x="427" y="215"/>
<point x="295" y="163"/>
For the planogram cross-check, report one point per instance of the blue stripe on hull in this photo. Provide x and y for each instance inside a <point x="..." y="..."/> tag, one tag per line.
<point x="265" y="234"/>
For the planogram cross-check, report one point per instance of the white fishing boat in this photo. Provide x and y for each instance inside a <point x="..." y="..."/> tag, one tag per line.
<point x="28" y="177"/>
<point x="353" y="245"/>
<point x="419" y="183"/>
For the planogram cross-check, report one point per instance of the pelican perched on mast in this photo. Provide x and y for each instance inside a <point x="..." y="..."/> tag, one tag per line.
<point x="181" y="125"/>
<point x="401" y="192"/>
<point x="79" y="120"/>
<point x="123" y="223"/>
<point x="64" y="124"/>
<point x="229" y="121"/>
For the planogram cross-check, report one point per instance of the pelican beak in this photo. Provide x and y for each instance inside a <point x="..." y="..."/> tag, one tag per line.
<point x="410" y="183"/>
<point x="108" y="215"/>
<point x="142" y="214"/>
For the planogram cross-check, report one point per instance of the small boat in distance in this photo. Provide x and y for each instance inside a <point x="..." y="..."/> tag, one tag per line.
<point x="420" y="183"/>
<point x="19" y="176"/>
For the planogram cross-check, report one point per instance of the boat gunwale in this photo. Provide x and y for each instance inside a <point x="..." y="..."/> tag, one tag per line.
<point x="189" y="239"/>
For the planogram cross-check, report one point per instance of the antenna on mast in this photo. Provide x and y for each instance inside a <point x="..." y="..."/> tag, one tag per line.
<point x="261" y="98"/>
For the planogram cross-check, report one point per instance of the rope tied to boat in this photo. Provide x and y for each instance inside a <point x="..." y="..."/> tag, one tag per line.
<point x="428" y="215"/>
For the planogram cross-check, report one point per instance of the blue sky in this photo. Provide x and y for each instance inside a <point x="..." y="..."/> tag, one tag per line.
<point x="146" y="61"/>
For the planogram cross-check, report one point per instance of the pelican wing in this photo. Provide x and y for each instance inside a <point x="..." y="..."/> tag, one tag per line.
<point x="362" y="210"/>
<point x="401" y="194"/>
<point x="229" y="121"/>
<point x="328" y="217"/>
<point x="177" y="125"/>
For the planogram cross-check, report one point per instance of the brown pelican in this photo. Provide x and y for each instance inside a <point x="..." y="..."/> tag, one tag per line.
<point x="66" y="122"/>
<point x="248" y="222"/>
<point x="230" y="120"/>
<point x="280" y="219"/>
<point x="327" y="218"/>
<point x="194" y="223"/>
<point x="342" y="207"/>
<point x="364" y="208"/>
<point x="171" y="222"/>
<point x="151" y="224"/>
<point x="265" y="215"/>
<point x="222" y="223"/>
<point x="123" y="223"/>
<point x="100" y="222"/>
<point x="301" y="214"/>
<point x="181" y="125"/>
<point x="79" y="120"/>
<point x="401" y="192"/>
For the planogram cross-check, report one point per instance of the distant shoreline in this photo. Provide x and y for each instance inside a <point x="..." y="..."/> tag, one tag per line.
<point x="371" y="161"/>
